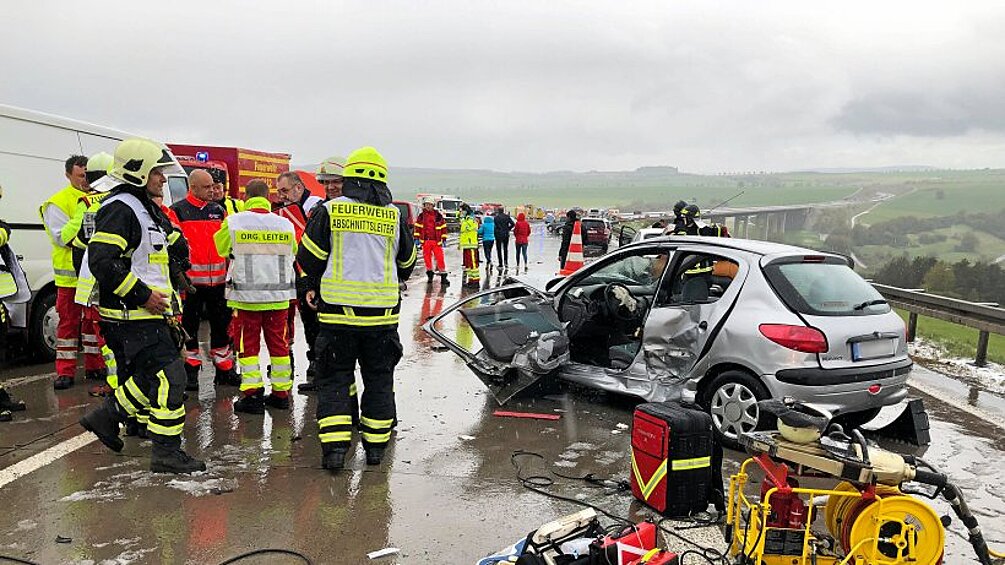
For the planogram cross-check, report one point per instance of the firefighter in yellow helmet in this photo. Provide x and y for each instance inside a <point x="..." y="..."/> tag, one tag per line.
<point x="128" y="256"/>
<point x="356" y="249"/>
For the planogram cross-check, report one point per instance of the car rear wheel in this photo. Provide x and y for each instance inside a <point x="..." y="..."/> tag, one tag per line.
<point x="731" y="399"/>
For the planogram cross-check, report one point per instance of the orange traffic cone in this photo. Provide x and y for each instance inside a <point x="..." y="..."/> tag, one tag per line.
<point x="574" y="258"/>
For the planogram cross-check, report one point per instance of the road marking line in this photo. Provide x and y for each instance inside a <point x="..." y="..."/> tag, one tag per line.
<point x="41" y="459"/>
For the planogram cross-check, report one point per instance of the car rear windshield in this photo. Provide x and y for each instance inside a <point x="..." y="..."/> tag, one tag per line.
<point x="825" y="289"/>
<point x="596" y="224"/>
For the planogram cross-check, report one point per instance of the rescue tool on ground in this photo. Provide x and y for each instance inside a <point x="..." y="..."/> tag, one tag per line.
<point x="871" y="515"/>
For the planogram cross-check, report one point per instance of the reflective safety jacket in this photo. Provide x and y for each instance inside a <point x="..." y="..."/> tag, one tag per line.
<point x="261" y="246"/>
<point x="55" y="213"/>
<point x="468" y="238"/>
<point x="87" y="286"/>
<point x="13" y="284"/>
<point x="200" y="220"/>
<point x="232" y="205"/>
<point x="128" y="256"/>
<point x="430" y="226"/>
<point x="80" y="228"/>
<point x="355" y="254"/>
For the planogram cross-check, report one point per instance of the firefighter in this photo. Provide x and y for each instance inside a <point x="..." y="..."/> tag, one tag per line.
<point x="678" y="217"/>
<point x="260" y="284"/>
<point x="56" y="213"/>
<point x="128" y="255"/>
<point x="691" y="226"/>
<point x="201" y="217"/>
<point x="230" y="204"/>
<point x="468" y="244"/>
<point x="354" y="253"/>
<point x="431" y="231"/>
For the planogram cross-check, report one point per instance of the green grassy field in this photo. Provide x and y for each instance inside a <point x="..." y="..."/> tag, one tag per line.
<point x="988" y="249"/>
<point x="958" y="341"/>
<point x="943" y="198"/>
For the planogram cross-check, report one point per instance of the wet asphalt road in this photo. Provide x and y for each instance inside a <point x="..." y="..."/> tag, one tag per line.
<point x="446" y="493"/>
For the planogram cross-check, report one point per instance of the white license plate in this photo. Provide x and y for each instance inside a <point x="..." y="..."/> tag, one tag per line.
<point x="873" y="349"/>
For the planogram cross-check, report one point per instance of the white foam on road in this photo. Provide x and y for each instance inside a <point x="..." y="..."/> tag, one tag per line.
<point x="39" y="460"/>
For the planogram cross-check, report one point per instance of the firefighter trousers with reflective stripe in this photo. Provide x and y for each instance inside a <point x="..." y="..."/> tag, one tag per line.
<point x="151" y="375"/>
<point x="338" y="352"/>
<point x="76" y="324"/>
<point x="250" y="325"/>
<point x="208" y="303"/>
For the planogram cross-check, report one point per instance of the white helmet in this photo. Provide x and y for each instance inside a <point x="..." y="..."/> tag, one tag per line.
<point x="428" y="199"/>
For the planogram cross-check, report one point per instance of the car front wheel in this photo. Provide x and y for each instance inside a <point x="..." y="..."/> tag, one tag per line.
<point x="731" y="399"/>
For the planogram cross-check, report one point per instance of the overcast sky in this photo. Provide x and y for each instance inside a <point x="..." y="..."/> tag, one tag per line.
<point x="708" y="86"/>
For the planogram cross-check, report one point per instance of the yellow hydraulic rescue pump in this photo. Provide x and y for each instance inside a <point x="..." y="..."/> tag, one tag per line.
<point x="833" y="499"/>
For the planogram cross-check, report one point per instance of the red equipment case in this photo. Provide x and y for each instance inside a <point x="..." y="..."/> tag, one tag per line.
<point x="626" y="546"/>
<point x="674" y="463"/>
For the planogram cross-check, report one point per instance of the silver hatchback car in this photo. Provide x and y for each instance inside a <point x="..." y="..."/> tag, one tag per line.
<point x="719" y="322"/>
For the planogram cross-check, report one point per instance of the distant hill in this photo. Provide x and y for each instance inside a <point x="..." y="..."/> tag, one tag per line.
<point x="890" y="169"/>
<point x="660" y="186"/>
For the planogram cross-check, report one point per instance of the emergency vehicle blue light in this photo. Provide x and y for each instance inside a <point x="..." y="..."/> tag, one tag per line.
<point x="202" y="156"/>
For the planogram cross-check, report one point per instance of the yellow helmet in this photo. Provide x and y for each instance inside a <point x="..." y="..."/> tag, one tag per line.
<point x="136" y="158"/>
<point x="100" y="162"/>
<point x="366" y="163"/>
<point x="330" y="168"/>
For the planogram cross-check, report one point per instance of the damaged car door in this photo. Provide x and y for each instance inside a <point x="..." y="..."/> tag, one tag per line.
<point x="520" y="335"/>
<point x="696" y="296"/>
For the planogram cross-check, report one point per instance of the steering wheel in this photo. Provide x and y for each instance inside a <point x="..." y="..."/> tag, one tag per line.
<point x="621" y="304"/>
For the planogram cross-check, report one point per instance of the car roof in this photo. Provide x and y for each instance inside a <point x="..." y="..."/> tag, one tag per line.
<point x="751" y="245"/>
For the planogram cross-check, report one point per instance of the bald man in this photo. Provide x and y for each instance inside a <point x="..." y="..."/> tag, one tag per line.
<point x="200" y="217"/>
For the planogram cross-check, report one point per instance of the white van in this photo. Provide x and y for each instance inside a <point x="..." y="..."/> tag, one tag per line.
<point x="33" y="149"/>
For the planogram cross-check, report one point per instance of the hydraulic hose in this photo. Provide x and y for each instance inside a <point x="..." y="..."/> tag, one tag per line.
<point x="953" y="495"/>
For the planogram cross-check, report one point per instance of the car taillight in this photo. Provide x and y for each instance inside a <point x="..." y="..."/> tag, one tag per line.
<point x="798" y="338"/>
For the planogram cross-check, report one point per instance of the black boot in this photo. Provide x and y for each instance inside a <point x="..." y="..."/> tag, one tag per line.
<point x="192" y="374"/>
<point x="277" y="402"/>
<point x="443" y="279"/>
<point x="429" y="276"/>
<point x="334" y="459"/>
<point x="374" y="454"/>
<point x="9" y="404"/>
<point x="104" y="422"/>
<point x="168" y="457"/>
<point x="132" y="427"/>
<point x="228" y="377"/>
<point x="251" y="404"/>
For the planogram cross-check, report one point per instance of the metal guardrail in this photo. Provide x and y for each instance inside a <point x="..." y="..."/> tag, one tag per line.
<point x="983" y="317"/>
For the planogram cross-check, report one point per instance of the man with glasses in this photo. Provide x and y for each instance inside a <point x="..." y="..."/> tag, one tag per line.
<point x="296" y="205"/>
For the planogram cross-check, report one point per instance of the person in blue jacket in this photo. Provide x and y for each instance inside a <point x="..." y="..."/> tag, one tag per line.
<point x="487" y="231"/>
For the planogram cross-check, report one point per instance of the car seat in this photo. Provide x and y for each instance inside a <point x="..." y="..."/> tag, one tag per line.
<point x="695" y="290"/>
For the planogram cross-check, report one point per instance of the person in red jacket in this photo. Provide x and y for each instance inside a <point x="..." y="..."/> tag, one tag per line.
<point x="200" y="218"/>
<point x="431" y="230"/>
<point x="521" y="234"/>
